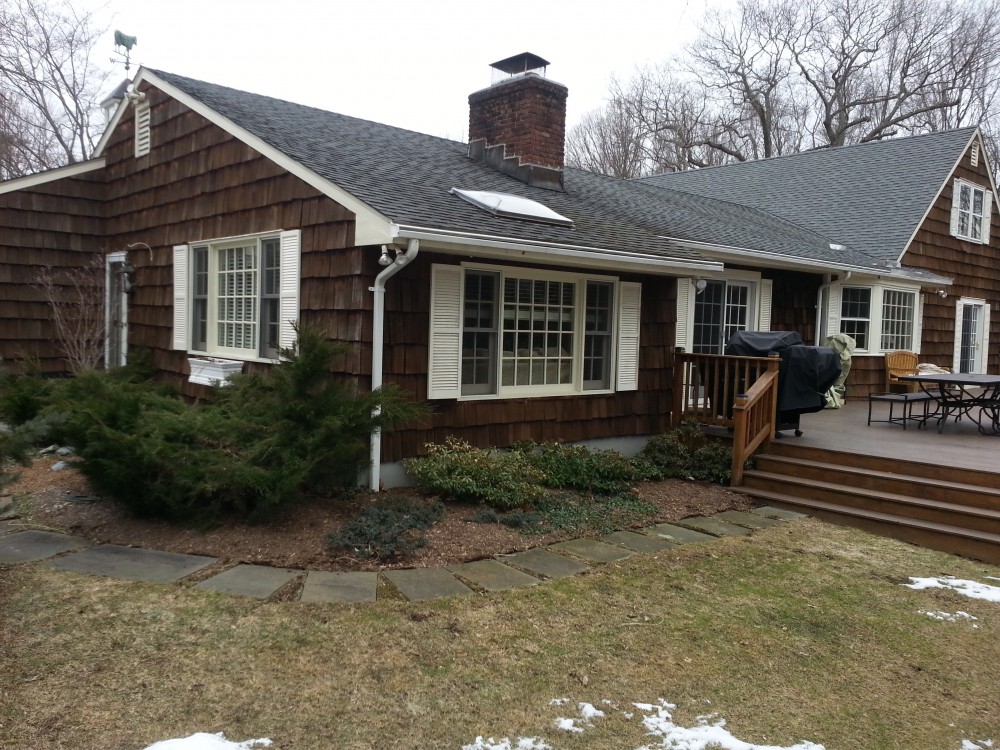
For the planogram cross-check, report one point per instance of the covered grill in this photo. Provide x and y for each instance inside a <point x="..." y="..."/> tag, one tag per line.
<point x="805" y="374"/>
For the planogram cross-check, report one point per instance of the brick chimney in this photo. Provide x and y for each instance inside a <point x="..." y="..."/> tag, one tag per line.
<point x="518" y="125"/>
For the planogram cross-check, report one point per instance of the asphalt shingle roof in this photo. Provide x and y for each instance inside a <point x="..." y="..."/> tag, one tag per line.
<point x="870" y="197"/>
<point x="406" y="176"/>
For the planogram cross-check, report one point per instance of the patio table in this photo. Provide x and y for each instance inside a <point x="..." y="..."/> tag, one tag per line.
<point x="974" y="395"/>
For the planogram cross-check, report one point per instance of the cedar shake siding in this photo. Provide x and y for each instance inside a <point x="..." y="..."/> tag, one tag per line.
<point x="55" y="224"/>
<point x="199" y="183"/>
<point x="502" y="422"/>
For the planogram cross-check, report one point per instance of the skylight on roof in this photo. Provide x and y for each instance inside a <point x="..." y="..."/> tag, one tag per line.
<point x="512" y="206"/>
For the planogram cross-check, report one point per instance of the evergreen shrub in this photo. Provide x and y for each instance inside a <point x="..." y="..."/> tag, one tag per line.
<point x="261" y="443"/>
<point x="686" y="452"/>
<point x="390" y="528"/>
<point x="500" y="479"/>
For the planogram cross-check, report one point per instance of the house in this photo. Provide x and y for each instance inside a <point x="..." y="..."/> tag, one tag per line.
<point x="921" y="207"/>
<point x="522" y="298"/>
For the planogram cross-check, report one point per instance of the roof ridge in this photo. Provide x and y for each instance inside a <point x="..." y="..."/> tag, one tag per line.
<point x="172" y="77"/>
<point x="817" y="150"/>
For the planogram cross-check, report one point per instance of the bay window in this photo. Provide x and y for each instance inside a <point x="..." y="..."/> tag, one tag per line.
<point x="878" y="317"/>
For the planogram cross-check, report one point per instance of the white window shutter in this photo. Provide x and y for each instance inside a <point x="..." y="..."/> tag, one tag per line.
<point x="182" y="312"/>
<point x="445" y="345"/>
<point x="833" y="310"/>
<point x="289" y="277"/>
<point x="986" y="337"/>
<point x="987" y="215"/>
<point x="955" y="203"/>
<point x="918" y="322"/>
<point x="629" y="313"/>
<point x="684" y="334"/>
<point x="764" y="294"/>
<point x="957" y="351"/>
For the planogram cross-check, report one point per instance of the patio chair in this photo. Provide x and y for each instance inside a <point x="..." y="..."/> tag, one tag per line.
<point x="896" y="364"/>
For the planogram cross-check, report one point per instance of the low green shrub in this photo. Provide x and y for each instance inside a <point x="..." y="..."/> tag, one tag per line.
<point x="577" y="467"/>
<point x="686" y="452"/>
<point x="501" y="479"/>
<point x="390" y="528"/>
<point x="24" y="393"/>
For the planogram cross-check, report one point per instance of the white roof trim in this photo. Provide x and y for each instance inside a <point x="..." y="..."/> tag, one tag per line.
<point x="371" y="227"/>
<point x="485" y="246"/>
<point x="50" y="175"/>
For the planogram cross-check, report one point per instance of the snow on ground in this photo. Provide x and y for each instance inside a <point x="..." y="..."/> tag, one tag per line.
<point x="204" y="741"/>
<point x="972" y="589"/>
<point x="710" y="731"/>
<point x="948" y="616"/>
<point x="978" y="745"/>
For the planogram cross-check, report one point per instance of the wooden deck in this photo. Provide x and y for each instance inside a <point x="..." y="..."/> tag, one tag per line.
<point x="959" y="445"/>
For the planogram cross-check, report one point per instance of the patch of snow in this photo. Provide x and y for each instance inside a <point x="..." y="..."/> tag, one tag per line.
<point x="205" y="741"/>
<point x="977" y="745"/>
<point x="972" y="589"/>
<point x="558" y="701"/>
<point x="948" y="616"/>
<point x="660" y="724"/>
<point x="568" y="725"/>
<point x="587" y="711"/>
<point x="523" y="743"/>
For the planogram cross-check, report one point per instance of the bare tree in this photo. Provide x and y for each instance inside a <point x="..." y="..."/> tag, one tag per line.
<point x="76" y="297"/>
<point x="777" y="76"/>
<point x="49" y="85"/>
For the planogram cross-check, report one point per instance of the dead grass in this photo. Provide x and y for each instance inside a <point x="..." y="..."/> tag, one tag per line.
<point x="801" y="632"/>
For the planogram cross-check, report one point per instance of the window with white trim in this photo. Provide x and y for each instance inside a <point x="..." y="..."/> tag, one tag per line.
<point x="898" y="308"/>
<point x="855" y="314"/>
<point x="237" y="297"/>
<point x="710" y="311"/>
<point x="879" y="318"/>
<point x="971" y="211"/>
<point x="505" y="332"/>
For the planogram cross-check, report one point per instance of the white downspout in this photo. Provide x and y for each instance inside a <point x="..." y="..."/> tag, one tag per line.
<point x="378" y="338"/>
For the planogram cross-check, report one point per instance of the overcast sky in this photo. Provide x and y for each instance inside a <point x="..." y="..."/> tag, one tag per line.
<point x="403" y="62"/>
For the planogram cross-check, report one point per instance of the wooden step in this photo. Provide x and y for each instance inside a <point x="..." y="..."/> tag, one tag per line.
<point x="878" y="463"/>
<point x="978" y="545"/>
<point x="889" y="480"/>
<point x="893" y="503"/>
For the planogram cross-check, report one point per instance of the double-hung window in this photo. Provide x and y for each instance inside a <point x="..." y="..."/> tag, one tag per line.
<point x="971" y="211"/>
<point x="523" y="332"/>
<point x="237" y="297"/>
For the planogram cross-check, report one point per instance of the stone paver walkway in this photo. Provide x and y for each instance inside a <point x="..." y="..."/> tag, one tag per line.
<point x="521" y="569"/>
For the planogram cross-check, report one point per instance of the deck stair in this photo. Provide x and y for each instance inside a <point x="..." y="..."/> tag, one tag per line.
<point x="947" y="508"/>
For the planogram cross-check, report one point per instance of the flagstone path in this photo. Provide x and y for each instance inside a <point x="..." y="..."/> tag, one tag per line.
<point x="70" y="553"/>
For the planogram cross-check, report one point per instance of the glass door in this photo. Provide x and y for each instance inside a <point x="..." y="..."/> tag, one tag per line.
<point x="721" y="310"/>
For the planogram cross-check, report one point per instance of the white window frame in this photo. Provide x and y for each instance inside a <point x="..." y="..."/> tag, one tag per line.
<point x="446" y="333"/>
<point x="957" y="213"/>
<point x="833" y="297"/>
<point x="289" y="243"/>
<point x="758" y="304"/>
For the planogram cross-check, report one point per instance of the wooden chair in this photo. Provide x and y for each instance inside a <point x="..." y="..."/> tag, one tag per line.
<point x="896" y="364"/>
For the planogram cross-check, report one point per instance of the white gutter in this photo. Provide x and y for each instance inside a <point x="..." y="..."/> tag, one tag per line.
<point x="506" y="247"/>
<point x="784" y="260"/>
<point x="378" y="341"/>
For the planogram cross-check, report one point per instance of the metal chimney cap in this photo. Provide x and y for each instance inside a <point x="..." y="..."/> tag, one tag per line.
<point x="521" y="63"/>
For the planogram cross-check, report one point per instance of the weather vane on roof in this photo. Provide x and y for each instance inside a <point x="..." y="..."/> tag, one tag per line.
<point x="123" y="48"/>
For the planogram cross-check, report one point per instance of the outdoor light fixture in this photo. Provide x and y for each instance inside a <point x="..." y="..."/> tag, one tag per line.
<point x="385" y="259"/>
<point x="700" y="285"/>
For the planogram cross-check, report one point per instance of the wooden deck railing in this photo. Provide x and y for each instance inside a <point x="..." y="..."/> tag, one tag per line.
<point x="740" y="393"/>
